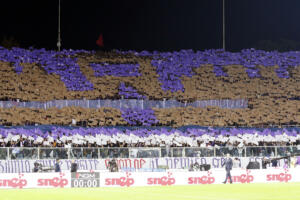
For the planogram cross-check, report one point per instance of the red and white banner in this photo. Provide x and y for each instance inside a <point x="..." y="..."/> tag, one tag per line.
<point x="197" y="178"/>
<point x="129" y="179"/>
<point x="35" y="180"/>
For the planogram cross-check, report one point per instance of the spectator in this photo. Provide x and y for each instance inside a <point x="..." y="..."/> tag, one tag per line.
<point x="57" y="166"/>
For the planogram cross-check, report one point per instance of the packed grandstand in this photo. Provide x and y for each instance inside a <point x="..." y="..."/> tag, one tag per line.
<point x="210" y="98"/>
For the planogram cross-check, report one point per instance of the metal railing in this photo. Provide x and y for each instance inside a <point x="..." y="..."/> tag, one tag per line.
<point x="13" y="153"/>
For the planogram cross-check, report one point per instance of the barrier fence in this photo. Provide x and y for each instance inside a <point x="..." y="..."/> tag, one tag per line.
<point x="127" y="104"/>
<point x="16" y="153"/>
<point x="107" y="179"/>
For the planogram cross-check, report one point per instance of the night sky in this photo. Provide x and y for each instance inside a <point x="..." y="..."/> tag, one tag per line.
<point x="150" y="24"/>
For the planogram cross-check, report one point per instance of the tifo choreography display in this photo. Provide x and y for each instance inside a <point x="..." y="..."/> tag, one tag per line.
<point x="119" y="119"/>
<point x="267" y="81"/>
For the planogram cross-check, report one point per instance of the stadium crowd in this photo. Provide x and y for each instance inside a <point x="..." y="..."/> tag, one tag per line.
<point x="268" y="80"/>
<point x="113" y="137"/>
<point x="124" y="147"/>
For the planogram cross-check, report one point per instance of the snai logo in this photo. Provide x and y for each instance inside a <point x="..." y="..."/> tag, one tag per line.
<point x="86" y="175"/>
<point x="243" y="178"/>
<point x="165" y="180"/>
<point x="202" y="179"/>
<point x="122" y="181"/>
<point x="14" y="182"/>
<point x="55" y="182"/>
<point x="281" y="177"/>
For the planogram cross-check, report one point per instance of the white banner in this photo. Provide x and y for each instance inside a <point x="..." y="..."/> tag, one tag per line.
<point x="135" y="164"/>
<point x="129" y="179"/>
<point x="197" y="178"/>
<point x="36" y="180"/>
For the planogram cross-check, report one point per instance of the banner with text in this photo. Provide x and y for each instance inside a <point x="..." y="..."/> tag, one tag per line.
<point x="131" y="164"/>
<point x="128" y="179"/>
<point x="37" y="180"/>
<point x="197" y="178"/>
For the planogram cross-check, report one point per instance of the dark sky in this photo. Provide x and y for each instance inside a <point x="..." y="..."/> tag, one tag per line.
<point x="150" y="24"/>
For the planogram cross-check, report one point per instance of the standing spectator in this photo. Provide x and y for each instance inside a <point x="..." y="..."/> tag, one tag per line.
<point x="74" y="166"/>
<point x="57" y="166"/>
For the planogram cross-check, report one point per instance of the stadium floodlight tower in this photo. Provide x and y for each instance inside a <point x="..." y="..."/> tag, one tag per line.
<point x="224" y="25"/>
<point x="58" y="39"/>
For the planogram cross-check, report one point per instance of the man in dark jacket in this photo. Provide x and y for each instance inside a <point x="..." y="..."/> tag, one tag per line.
<point x="112" y="166"/>
<point x="57" y="166"/>
<point x="74" y="166"/>
<point x="37" y="167"/>
<point x="228" y="168"/>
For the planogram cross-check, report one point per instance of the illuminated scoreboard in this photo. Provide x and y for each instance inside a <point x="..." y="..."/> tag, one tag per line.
<point x="85" y="179"/>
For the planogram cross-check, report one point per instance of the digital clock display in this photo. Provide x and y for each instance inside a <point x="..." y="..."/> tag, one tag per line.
<point x="85" y="179"/>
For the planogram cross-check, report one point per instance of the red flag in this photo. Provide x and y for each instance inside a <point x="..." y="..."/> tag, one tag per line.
<point x="99" y="42"/>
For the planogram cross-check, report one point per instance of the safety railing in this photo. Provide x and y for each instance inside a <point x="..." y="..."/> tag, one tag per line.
<point x="13" y="153"/>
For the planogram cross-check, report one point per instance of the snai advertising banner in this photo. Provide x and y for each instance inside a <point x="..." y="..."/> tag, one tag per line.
<point x="131" y="179"/>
